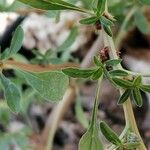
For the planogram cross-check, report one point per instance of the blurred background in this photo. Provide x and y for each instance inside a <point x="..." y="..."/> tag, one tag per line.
<point x="55" y="37"/>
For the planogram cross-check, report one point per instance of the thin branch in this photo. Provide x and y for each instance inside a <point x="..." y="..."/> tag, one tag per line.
<point x="9" y="64"/>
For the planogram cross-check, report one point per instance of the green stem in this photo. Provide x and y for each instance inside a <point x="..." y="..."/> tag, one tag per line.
<point x="95" y="108"/>
<point x="127" y="106"/>
<point x="122" y="30"/>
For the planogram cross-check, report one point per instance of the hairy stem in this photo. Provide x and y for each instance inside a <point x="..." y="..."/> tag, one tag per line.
<point x="127" y="106"/>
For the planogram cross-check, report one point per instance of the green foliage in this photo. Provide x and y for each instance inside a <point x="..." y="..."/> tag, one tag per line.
<point x="78" y="73"/>
<point x="109" y="134"/>
<point x="118" y="73"/>
<point x="50" y="85"/>
<point x="145" y="2"/>
<point x="113" y="62"/>
<point x="141" y="22"/>
<point x="89" y="20"/>
<point x="12" y="93"/>
<point x="124" y="97"/>
<point x="90" y="140"/>
<point x="15" y="45"/>
<point x="101" y="7"/>
<point x="51" y="5"/>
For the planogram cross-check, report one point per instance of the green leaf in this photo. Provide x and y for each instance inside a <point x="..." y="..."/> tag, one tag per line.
<point x="113" y="62"/>
<point x="137" y="81"/>
<point x="124" y="96"/>
<point x="12" y="94"/>
<point x="88" y="21"/>
<point x="15" y="45"/>
<point x="145" y="2"/>
<point x="51" y="5"/>
<point x="118" y="73"/>
<point x="107" y="30"/>
<point x="101" y="7"/>
<point x="69" y="41"/>
<point x="106" y="21"/>
<point x="97" y="62"/>
<point x="145" y="88"/>
<point x="90" y="140"/>
<point x="78" y="73"/>
<point x="131" y="145"/>
<point x="123" y="83"/>
<point x="110" y="135"/>
<point x="50" y="85"/>
<point x="137" y="97"/>
<point x="141" y="22"/>
<point x="97" y="74"/>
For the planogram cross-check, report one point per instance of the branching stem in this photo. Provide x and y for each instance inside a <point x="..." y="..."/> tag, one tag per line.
<point x="127" y="106"/>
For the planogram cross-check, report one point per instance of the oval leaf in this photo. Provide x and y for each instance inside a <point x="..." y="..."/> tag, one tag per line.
<point x="124" y="96"/>
<point x="15" y="45"/>
<point x="50" y="85"/>
<point x="88" y="21"/>
<point x="113" y="62"/>
<point x="97" y="62"/>
<point x="97" y="74"/>
<point x="101" y="6"/>
<point x="12" y="94"/>
<point x="123" y="83"/>
<point x="107" y="30"/>
<point x="90" y="141"/>
<point x="110" y="135"/>
<point x="137" y="97"/>
<point x="138" y="81"/>
<point x="51" y="5"/>
<point x="118" y="73"/>
<point x="106" y="21"/>
<point x="145" y="88"/>
<point x="78" y="73"/>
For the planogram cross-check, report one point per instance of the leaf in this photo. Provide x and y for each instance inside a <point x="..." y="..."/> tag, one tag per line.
<point x="12" y="94"/>
<point x="90" y="140"/>
<point x="113" y="62"/>
<point x="145" y="2"/>
<point x="15" y="45"/>
<point x="110" y="135"/>
<point x="141" y="22"/>
<point x="97" y="62"/>
<point x="145" y="88"/>
<point x="118" y="73"/>
<point x="101" y="7"/>
<point x="107" y="30"/>
<point x="69" y="41"/>
<point x="106" y="21"/>
<point x="124" y="96"/>
<point x="137" y="97"/>
<point x="97" y="74"/>
<point x="88" y="21"/>
<point x="51" y="5"/>
<point x="50" y="85"/>
<point x="123" y="83"/>
<point x="78" y="73"/>
<point x="137" y="81"/>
